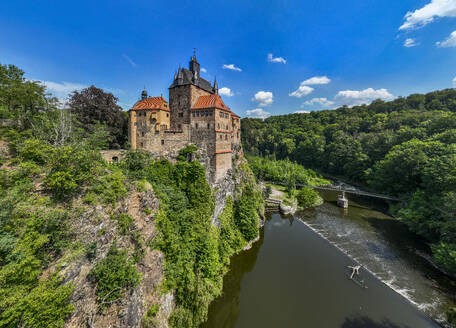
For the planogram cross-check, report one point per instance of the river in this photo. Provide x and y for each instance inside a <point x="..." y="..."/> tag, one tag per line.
<point x="296" y="275"/>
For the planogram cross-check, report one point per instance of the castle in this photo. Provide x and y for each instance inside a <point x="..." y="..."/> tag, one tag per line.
<point x="196" y="114"/>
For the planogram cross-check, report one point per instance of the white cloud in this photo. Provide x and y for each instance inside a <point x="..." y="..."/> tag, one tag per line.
<point x="359" y="97"/>
<point x="226" y="92"/>
<point x="263" y="98"/>
<point x="302" y="91"/>
<point x="61" y="90"/>
<point x="128" y="59"/>
<point x="316" y="80"/>
<point x="257" y="113"/>
<point x="273" y="59"/>
<point x="448" y="42"/>
<point x="231" y="67"/>
<point x="203" y="70"/>
<point x="304" y="88"/>
<point x="454" y="82"/>
<point x="324" y="102"/>
<point x="409" y="42"/>
<point x="427" y="14"/>
<point x="301" y="112"/>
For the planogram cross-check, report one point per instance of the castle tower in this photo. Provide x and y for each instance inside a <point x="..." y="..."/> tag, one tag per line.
<point x="187" y="86"/>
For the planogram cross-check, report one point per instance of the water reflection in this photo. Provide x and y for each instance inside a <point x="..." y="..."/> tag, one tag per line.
<point x="365" y="322"/>
<point x="224" y="311"/>
<point x="293" y="277"/>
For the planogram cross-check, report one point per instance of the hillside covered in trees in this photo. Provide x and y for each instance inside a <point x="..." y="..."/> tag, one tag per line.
<point x="88" y="243"/>
<point x="406" y="148"/>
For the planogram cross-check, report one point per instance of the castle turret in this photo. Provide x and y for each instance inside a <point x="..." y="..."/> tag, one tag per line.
<point x="144" y="94"/>
<point x="194" y="67"/>
<point x="215" y="86"/>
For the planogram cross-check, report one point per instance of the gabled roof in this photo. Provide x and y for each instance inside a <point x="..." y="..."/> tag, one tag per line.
<point x="187" y="77"/>
<point x="210" y="101"/>
<point x="151" y="103"/>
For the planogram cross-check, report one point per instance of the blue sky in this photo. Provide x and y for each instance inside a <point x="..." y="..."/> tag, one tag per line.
<point x="292" y="55"/>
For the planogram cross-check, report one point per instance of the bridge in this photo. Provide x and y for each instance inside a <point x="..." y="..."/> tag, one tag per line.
<point x="347" y="191"/>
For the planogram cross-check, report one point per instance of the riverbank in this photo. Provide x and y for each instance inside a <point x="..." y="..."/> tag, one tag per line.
<point x="289" y="201"/>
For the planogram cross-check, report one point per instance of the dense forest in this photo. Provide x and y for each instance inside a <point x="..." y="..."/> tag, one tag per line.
<point x="63" y="206"/>
<point x="406" y="148"/>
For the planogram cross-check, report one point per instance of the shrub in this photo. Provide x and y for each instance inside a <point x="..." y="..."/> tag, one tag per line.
<point x="124" y="223"/>
<point x="70" y="168"/>
<point x="307" y="197"/>
<point x="110" y="187"/>
<point x="91" y="251"/>
<point x="47" y="305"/>
<point x="135" y="162"/>
<point x="34" y="150"/>
<point x="186" y="152"/>
<point x="246" y="214"/>
<point x="149" y="319"/>
<point x="445" y="256"/>
<point x="113" y="276"/>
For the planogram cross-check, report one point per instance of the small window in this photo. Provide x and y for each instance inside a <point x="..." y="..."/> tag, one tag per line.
<point x="208" y="126"/>
<point x="142" y="133"/>
<point x="218" y="126"/>
<point x="115" y="159"/>
<point x="163" y="142"/>
<point x="221" y="137"/>
<point x="193" y="114"/>
<point x="210" y="113"/>
<point x="226" y="137"/>
<point x="179" y="126"/>
<point x="196" y="125"/>
<point x="142" y="145"/>
<point x="221" y="114"/>
<point x="181" y="114"/>
<point x="167" y="115"/>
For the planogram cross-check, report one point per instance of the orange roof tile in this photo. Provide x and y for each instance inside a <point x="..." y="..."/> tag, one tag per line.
<point x="210" y="101"/>
<point x="151" y="103"/>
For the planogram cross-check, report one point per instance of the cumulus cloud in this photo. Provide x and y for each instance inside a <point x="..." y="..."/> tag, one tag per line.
<point x="128" y="59"/>
<point x="448" y="42"/>
<point x="302" y="91"/>
<point x="226" y="92"/>
<point x="273" y="59"/>
<point x="304" y="88"/>
<point x="203" y="70"/>
<point x="454" y="82"/>
<point x="409" y="42"/>
<point x="427" y="14"/>
<point x="263" y="98"/>
<point x="316" y="80"/>
<point x="257" y="113"/>
<point x="231" y="67"/>
<point x="301" y="112"/>
<point x="359" y="97"/>
<point x="324" y="102"/>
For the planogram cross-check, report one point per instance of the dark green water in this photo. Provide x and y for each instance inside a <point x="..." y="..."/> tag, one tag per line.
<point x="296" y="275"/>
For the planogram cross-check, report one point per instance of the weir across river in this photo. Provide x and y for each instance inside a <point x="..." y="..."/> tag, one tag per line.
<point x="347" y="191"/>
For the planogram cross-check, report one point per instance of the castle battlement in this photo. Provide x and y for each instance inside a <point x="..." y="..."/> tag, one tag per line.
<point x="196" y="114"/>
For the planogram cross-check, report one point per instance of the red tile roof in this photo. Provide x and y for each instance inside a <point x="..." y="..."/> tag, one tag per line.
<point x="151" y="103"/>
<point x="210" y="101"/>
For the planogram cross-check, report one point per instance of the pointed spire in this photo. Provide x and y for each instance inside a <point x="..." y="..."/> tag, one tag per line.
<point x="180" y="76"/>
<point x="215" y="87"/>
